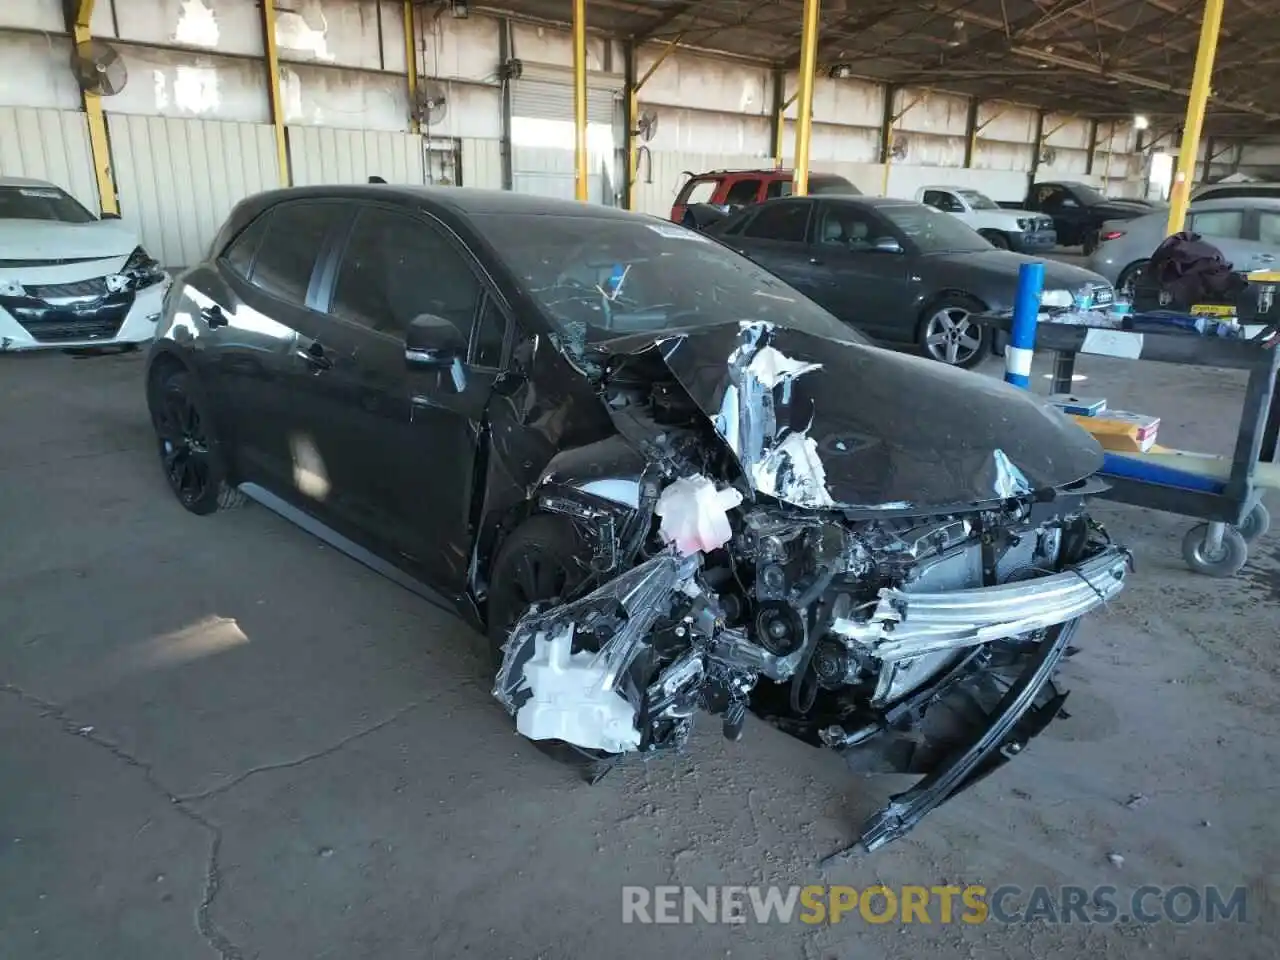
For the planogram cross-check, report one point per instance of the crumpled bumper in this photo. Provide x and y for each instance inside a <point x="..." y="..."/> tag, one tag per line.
<point x="88" y="329"/>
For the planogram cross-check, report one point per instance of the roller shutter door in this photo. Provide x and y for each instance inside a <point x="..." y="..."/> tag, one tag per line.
<point x="542" y="132"/>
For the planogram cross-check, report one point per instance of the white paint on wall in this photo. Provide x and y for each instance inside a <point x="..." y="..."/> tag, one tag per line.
<point x="539" y="44"/>
<point x="32" y="15"/>
<point x="935" y="113"/>
<point x="689" y="131"/>
<point x="854" y="103"/>
<point x="182" y="83"/>
<point x="685" y="80"/>
<point x="197" y="26"/>
<point x="35" y="73"/>
<point x="218" y="26"/>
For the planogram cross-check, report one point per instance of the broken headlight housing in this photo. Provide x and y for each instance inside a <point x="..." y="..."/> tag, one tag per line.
<point x="142" y="269"/>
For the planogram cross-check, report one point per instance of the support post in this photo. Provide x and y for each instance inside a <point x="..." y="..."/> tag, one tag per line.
<point x="632" y="120"/>
<point x="505" y="54"/>
<point x="273" y="89"/>
<point x="1111" y="150"/>
<point x="99" y="145"/>
<point x="580" y="157"/>
<point x="1093" y="148"/>
<point x="411" y="65"/>
<point x="804" y="95"/>
<point x="1038" y="145"/>
<point x="779" y="124"/>
<point x="886" y="136"/>
<point x="1022" y="334"/>
<point x="971" y="133"/>
<point x="1197" y="100"/>
<point x="1208" y="159"/>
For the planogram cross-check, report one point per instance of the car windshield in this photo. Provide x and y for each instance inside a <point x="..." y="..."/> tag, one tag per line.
<point x="596" y="278"/>
<point x="40" y="203"/>
<point x="931" y="231"/>
<point x="978" y="200"/>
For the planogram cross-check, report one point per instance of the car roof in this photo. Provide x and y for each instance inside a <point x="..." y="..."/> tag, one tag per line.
<point x="463" y="200"/>
<point x="26" y="182"/>
<point x="858" y="198"/>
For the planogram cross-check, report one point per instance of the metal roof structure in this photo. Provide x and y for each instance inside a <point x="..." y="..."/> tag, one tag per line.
<point x="1104" y="59"/>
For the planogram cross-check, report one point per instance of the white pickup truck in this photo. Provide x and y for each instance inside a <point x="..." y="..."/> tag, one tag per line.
<point x="1021" y="230"/>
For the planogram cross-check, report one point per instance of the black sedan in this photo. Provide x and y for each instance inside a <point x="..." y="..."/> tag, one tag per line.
<point x="659" y="479"/>
<point x="897" y="270"/>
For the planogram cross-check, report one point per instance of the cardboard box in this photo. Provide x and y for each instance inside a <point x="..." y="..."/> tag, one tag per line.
<point x="1121" y="431"/>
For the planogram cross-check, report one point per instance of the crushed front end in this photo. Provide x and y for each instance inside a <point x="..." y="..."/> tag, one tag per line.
<point x="906" y="639"/>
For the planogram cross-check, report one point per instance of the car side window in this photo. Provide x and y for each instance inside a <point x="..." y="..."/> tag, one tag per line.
<point x="743" y="193"/>
<point x="785" y="223"/>
<point x="491" y="335"/>
<point x="778" y="188"/>
<point x="287" y="253"/>
<point x="1269" y="228"/>
<point x="699" y="191"/>
<point x="396" y="267"/>
<point x="240" y="252"/>
<point x="848" y="227"/>
<point x="1051" y="198"/>
<point x="1228" y="224"/>
<point x="941" y="200"/>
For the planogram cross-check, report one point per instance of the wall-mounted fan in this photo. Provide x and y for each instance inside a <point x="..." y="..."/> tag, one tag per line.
<point x="433" y="104"/>
<point x="1048" y="155"/>
<point x="647" y="125"/>
<point x="898" y="149"/>
<point x="99" y="68"/>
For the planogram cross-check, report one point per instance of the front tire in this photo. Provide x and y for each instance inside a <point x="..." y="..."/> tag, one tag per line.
<point x="188" y="445"/>
<point x="947" y="332"/>
<point x="996" y="239"/>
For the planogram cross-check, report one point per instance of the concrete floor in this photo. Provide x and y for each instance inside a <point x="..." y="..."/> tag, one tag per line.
<point x="220" y="738"/>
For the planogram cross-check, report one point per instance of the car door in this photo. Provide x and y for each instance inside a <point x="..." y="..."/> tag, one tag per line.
<point x="1064" y="208"/>
<point x="270" y="273"/>
<point x="403" y="441"/>
<point x="857" y="275"/>
<point x="776" y="237"/>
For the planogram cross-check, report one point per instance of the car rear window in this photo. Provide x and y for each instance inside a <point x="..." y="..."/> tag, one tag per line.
<point x="823" y="184"/>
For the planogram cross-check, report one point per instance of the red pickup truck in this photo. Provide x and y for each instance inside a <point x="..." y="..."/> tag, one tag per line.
<point x="717" y="192"/>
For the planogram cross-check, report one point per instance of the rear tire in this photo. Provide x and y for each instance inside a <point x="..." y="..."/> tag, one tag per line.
<point x="190" y="453"/>
<point x="1128" y="278"/>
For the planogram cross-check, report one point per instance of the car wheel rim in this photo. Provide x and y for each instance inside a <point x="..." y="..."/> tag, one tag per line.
<point x="1127" y="283"/>
<point x="951" y="336"/>
<point x="184" y="449"/>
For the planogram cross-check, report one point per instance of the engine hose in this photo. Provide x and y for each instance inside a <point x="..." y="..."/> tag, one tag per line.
<point x="802" y="697"/>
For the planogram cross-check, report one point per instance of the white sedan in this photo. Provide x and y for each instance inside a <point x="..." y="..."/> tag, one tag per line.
<point x="68" y="279"/>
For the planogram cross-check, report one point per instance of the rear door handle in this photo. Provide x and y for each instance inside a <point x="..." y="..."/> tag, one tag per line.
<point x="214" y="317"/>
<point x="315" y="357"/>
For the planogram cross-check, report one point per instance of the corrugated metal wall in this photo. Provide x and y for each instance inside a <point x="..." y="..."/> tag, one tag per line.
<point x="178" y="179"/>
<point x="331" y="155"/>
<point x="49" y="145"/>
<point x="482" y="163"/>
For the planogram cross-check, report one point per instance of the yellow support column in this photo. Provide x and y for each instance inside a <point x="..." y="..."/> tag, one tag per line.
<point x="804" y="95"/>
<point x="581" y="167"/>
<point x="99" y="147"/>
<point x="411" y="64"/>
<point x="273" y="88"/>
<point x="1188" y="151"/>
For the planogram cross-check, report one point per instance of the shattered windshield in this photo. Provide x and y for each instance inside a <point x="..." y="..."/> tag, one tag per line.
<point x="599" y="278"/>
<point x="41" y="203"/>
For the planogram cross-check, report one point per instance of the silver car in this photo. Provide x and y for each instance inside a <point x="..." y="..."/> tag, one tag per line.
<point x="1245" y="229"/>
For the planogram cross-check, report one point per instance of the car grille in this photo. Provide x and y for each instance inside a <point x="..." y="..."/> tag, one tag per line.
<point x="94" y="321"/>
<point x="93" y="287"/>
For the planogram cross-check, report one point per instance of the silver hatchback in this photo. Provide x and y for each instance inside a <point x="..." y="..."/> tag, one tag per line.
<point x="1245" y="229"/>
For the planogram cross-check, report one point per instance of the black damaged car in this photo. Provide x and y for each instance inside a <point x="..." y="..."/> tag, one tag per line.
<point x="659" y="480"/>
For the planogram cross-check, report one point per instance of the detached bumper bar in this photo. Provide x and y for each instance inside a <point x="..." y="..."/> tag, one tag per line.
<point x="910" y="624"/>
<point x="1014" y="723"/>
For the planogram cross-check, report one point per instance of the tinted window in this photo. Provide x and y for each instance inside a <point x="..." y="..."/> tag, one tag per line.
<point x="41" y="203"/>
<point x="786" y="222"/>
<point x="294" y="236"/>
<point x="931" y="231"/>
<point x="395" y="268"/>
<point x="743" y="192"/>
<point x="1218" y="223"/>
<point x="594" y="278"/>
<point x="778" y="188"/>
<point x="941" y="200"/>
<point x="240" y="251"/>
<point x="490" y="335"/>
<point x="1269" y="228"/>
<point x="846" y="226"/>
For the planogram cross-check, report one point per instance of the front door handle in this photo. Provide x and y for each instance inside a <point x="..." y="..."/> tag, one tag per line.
<point x="315" y="357"/>
<point x="213" y="316"/>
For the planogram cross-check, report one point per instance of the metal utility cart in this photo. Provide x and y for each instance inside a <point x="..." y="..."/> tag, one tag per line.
<point x="1229" y="504"/>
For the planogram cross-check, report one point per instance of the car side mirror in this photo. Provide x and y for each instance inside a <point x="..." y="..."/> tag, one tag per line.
<point x="433" y="343"/>
<point x="887" y="245"/>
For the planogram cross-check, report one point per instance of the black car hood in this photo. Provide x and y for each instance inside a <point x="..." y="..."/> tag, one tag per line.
<point x="1119" y="209"/>
<point x="1003" y="265"/>
<point x="819" y="423"/>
